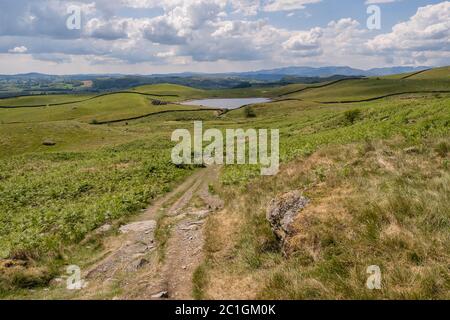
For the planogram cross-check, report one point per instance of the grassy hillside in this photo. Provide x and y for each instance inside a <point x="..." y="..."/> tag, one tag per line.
<point x="438" y="73"/>
<point x="105" y="108"/>
<point x="42" y="100"/>
<point x="68" y="135"/>
<point x="370" y="205"/>
<point x="185" y="93"/>
<point x="377" y="174"/>
<point x="168" y="89"/>
<point x="352" y="90"/>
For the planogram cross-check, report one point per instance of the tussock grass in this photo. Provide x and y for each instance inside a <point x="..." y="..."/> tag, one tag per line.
<point x="199" y="282"/>
<point x="370" y="205"/>
<point x="163" y="231"/>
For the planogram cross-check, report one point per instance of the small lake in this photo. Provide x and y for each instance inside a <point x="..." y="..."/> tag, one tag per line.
<point x="225" y="103"/>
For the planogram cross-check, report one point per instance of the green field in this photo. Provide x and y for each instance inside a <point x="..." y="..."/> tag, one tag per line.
<point x="382" y="165"/>
<point x="106" y="108"/>
<point x="356" y="90"/>
<point x="42" y="100"/>
<point x="438" y="73"/>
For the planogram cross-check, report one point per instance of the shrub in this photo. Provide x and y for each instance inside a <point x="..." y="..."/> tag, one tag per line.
<point x="249" y="112"/>
<point x="352" y="115"/>
<point x="158" y="103"/>
<point x="442" y="149"/>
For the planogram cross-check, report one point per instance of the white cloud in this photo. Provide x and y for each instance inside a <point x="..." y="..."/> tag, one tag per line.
<point x="21" y="49"/>
<point x="246" y="7"/>
<point x="211" y="32"/>
<point x="53" y="57"/>
<point x="287" y="5"/>
<point x="428" y="31"/>
<point x="140" y="3"/>
<point x="379" y="1"/>
<point x="108" y="30"/>
<point x="305" y="43"/>
<point x="161" y="30"/>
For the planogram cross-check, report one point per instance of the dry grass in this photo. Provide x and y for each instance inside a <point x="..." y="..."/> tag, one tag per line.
<point x="379" y="203"/>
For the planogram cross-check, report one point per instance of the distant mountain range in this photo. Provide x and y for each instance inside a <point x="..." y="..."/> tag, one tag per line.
<point x="37" y="83"/>
<point x="332" y="71"/>
<point x="303" y="72"/>
<point x="270" y="75"/>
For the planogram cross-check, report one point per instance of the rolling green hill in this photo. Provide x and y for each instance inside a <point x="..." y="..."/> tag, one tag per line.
<point x="169" y="89"/>
<point x="354" y="90"/>
<point x="104" y="108"/>
<point x="438" y="73"/>
<point x="376" y="173"/>
<point x="42" y="100"/>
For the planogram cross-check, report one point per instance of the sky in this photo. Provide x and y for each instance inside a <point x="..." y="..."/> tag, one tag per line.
<point x="167" y="36"/>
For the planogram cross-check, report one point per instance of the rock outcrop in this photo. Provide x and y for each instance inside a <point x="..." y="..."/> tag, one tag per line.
<point x="48" y="143"/>
<point x="140" y="226"/>
<point x="282" y="211"/>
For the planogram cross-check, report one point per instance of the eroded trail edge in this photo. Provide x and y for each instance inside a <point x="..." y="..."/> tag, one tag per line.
<point x="156" y="254"/>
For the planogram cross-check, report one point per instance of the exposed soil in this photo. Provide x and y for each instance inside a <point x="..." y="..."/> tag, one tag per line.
<point x="132" y="267"/>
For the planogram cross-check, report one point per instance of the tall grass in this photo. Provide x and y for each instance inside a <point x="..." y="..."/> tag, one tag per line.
<point x="382" y="211"/>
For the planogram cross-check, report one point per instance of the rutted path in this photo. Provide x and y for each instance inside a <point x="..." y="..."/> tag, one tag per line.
<point x="156" y="255"/>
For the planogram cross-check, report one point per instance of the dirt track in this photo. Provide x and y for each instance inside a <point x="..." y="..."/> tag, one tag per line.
<point x="137" y="266"/>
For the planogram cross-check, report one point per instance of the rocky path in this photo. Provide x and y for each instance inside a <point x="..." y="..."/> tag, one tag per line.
<point x="156" y="255"/>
